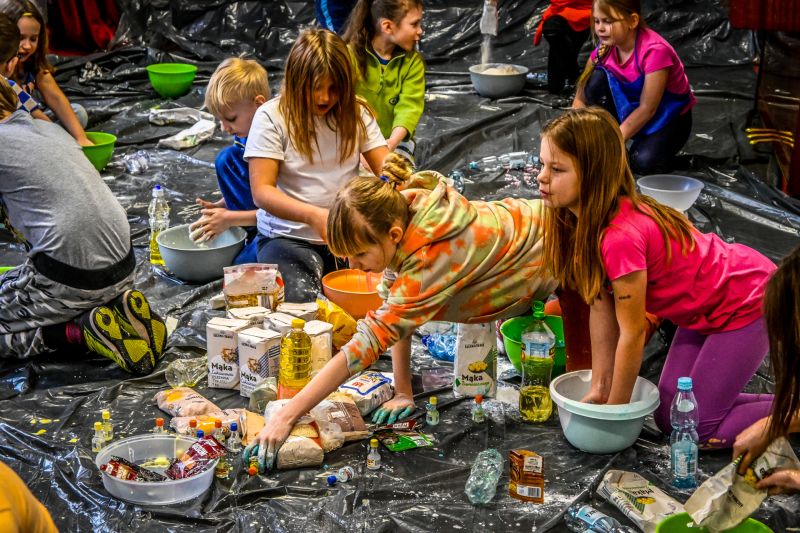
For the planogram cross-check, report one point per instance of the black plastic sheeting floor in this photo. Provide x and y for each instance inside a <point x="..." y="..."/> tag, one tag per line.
<point x="417" y="490"/>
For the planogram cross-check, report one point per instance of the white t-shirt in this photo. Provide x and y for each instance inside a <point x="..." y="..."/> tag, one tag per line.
<point x="314" y="183"/>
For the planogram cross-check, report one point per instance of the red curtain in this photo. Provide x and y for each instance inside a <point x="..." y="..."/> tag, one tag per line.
<point x="80" y="26"/>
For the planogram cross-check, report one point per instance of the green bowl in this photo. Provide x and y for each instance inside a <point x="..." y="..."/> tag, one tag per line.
<point x="171" y="80"/>
<point x="512" y="330"/>
<point x="100" y="154"/>
<point x="679" y="523"/>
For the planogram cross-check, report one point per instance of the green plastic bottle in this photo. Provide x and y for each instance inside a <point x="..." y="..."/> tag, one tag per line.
<point x="295" y="366"/>
<point x="538" y="356"/>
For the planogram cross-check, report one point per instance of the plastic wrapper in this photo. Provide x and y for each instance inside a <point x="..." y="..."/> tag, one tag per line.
<point x="253" y="284"/>
<point x="369" y="390"/>
<point x="206" y="422"/>
<point x="196" y="458"/>
<point x="344" y="326"/>
<point x="142" y="474"/>
<point x="341" y="410"/>
<point x="638" y="499"/>
<point x="726" y="499"/>
<point x="120" y="471"/>
<point x="178" y="115"/>
<point x="304" y="446"/>
<point x="198" y="133"/>
<point x="264" y="393"/>
<point x="400" y="440"/>
<point x="183" y="401"/>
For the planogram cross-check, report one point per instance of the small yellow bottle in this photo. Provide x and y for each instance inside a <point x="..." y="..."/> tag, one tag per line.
<point x="108" y="427"/>
<point x="295" y="364"/>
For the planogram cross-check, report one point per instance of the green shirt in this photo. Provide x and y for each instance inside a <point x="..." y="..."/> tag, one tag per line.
<point x="395" y="91"/>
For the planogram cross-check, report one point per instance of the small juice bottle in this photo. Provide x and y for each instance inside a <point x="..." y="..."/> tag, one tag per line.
<point x="373" y="457"/>
<point x="108" y="427"/>
<point x="99" y="439"/>
<point x="432" y="415"/>
<point x="478" y="414"/>
<point x="159" y="428"/>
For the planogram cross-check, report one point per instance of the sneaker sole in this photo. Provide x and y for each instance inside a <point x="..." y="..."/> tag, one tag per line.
<point x="104" y="335"/>
<point x="137" y="318"/>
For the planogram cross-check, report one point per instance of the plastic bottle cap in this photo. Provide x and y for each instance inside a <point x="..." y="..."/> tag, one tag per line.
<point x="160" y="422"/>
<point x="373" y="443"/>
<point x="298" y="323"/>
<point x="200" y="433"/>
<point x="192" y="423"/>
<point x="252" y="470"/>
<point x="538" y="309"/>
<point x="234" y="427"/>
<point x="157" y="191"/>
<point x="98" y="426"/>
<point x="106" y="414"/>
<point x="479" y="398"/>
<point x="684" y="383"/>
<point x="332" y="481"/>
<point x="217" y="423"/>
<point x="433" y="400"/>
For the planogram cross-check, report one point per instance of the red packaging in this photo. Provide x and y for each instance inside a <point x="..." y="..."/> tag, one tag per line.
<point x="406" y="425"/>
<point x="119" y="470"/>
<point x="195" y="458"/>
<point x="142" y="474"/>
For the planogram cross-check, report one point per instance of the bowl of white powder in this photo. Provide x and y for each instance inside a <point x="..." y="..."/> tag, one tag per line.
<point x="498" y="80"/>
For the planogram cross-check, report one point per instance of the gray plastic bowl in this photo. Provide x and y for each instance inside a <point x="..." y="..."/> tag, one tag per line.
<point x="497" y="86"/>
<point x="678" y="192"/>
<point x="601" y="428"/>
<point x="191" y="262"/>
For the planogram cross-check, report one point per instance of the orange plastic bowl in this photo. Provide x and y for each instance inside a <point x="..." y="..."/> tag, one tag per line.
<point x="353" y="290"/>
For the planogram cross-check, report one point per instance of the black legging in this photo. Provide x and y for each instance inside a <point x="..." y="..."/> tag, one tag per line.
<point x="648" y="154"/>
<point x="562" y="57"/>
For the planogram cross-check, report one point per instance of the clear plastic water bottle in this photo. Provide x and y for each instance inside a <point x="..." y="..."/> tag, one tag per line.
<point x="457" y="177"/>
<point x="684" y="418"/>
<point x="137" y="162"/>
<point x="159" y="221"/>
<point x="537" y="358"/>
<point x="441" y="346"/>
<point x="483" y="477"/>
<point x="581" y="518"/>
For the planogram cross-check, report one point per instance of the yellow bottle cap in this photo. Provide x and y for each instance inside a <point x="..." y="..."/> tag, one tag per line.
<point x="298" y="323"/>
<point x="98" y="426"/>
<point x="106" y="414"/>
<point x="373" y="443"/>
<point x="434" y="400"/>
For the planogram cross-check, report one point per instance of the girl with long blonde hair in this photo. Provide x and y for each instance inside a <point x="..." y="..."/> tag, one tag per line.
<point x="302" y="147"/>
<point x="625" y="254"/>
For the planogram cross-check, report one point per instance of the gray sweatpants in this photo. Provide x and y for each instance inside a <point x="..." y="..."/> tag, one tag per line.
<point x="29" y="301"/>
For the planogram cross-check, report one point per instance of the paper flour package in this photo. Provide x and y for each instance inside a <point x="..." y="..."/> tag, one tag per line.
<point x="321" y="334"/>
<point x="306" y="311"/>
<point x="280" y="322"/>
<point x="369" y="390"/>
<point x="222" y="341"/>
<point x="254" y="315"/>
<point x="638" y="499"/>
<point x="475" y="367"/>
<point x="259" y="357"/>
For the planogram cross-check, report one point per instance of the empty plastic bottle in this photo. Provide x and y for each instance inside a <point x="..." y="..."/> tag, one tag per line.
<point x="538" y="350"/>
<point x="137" y="162"/>
<point x="683" y="441"/>
<point x="581" y="518"/>
<point x="159" y="427"/>
<point x="158" y="212"/>
<point x="295" y="364"/>
<point x="483" y="477"/>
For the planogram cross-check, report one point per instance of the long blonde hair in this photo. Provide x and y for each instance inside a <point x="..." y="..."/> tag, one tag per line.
<point x="592" y="139"/>
<point x="8" y="99"/>
<point x="316" y="55"/>
<point x="367" y="207"/>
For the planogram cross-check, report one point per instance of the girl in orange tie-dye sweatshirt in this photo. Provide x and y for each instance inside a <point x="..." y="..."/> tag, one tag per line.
<point x="443" y="258"/>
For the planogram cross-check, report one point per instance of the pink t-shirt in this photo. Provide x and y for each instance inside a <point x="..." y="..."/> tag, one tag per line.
<point x="715" y="287"/>
<point x="654" y="53"/>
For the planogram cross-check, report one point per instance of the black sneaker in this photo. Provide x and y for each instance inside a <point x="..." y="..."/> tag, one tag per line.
<point x="104" y="335"/>
<point x="137" y="318"/>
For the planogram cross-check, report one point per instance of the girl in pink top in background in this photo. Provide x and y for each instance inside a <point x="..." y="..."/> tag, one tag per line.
<point x="635" y="75"/>
<point x="626" y="254"/>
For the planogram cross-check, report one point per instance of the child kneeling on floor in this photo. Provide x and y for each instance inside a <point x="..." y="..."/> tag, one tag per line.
<point x="235" y="92"/>
<point x="74" y="287"/>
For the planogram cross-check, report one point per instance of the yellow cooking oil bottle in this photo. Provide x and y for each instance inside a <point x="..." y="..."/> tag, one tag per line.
<point x="158" y="213"/>
<point x="538" y="350"/>
<point x="295" y="364"/>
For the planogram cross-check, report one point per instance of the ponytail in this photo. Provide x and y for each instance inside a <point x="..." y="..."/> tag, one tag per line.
<point x="366" y="208"/>
<point x="8" y="99"/>
<point x="362" y="24"/>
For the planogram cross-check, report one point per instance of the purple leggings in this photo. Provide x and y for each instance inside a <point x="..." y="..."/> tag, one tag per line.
<point x="720" y="365"/>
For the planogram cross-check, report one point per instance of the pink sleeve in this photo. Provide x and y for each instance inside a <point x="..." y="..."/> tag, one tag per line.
<point x="657" y="57"/>
<point x="623" y="252"/>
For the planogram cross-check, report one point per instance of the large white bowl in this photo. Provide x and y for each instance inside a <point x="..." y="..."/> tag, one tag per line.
<point x="200" y="263"/>
<point x="601" y="428"/>
<point x="678" y="192"/>
<point x="497" y="86"/>
<point x="141" y="448"/>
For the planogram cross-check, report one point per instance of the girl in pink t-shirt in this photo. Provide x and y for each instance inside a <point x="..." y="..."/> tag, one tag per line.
<point x="635" y="75"/>
<point x="626" y="254"/>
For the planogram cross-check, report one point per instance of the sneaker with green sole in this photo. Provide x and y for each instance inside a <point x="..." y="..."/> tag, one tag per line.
<point x="137" y="318"/>
<point x="104" y="335"/>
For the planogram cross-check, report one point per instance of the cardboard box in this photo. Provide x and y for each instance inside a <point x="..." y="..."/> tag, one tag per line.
<point x="259" y="357"/>
<point x="526" y="476"/>
<point x="223" y="352"/>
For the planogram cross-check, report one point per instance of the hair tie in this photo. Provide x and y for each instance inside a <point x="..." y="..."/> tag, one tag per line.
<point x="384" y="178"/>
<point x="27" y="14"/>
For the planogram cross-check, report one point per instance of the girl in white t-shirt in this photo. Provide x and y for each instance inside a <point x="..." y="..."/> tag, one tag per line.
<point x="302" y="147"/>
